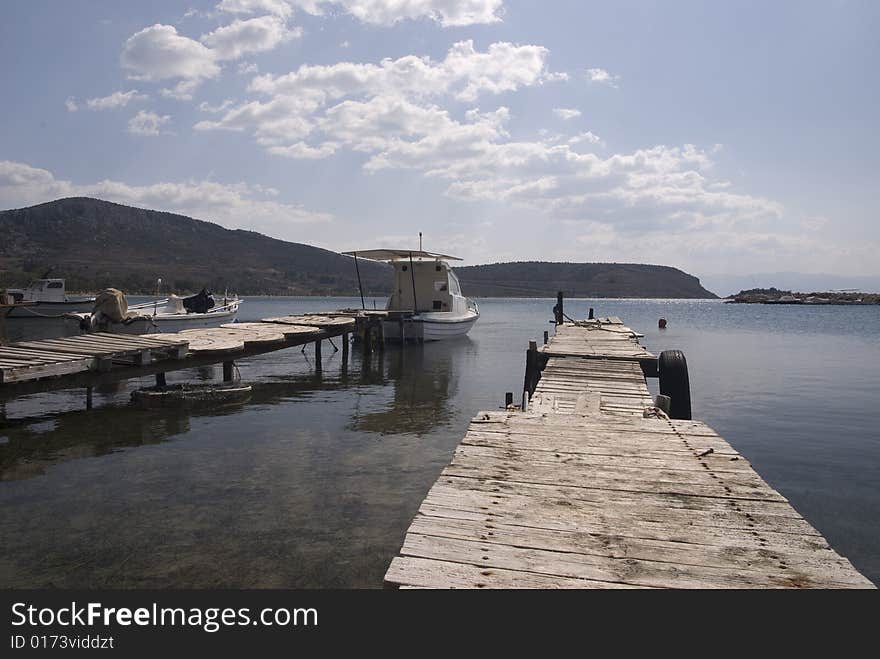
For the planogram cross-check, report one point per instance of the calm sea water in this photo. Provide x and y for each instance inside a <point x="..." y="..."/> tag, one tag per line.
<point x="313" y="482"/>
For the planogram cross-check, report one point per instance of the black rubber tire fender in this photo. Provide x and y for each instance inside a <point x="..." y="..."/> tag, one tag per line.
<point x="674" y="382"/>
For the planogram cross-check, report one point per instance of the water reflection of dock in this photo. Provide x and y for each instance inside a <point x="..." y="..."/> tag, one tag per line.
<point x="590" y="484"/>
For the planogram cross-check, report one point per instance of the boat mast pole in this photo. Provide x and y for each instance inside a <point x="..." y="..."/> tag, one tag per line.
<point x="413" y="273"/>
<point x="360" y="286"/>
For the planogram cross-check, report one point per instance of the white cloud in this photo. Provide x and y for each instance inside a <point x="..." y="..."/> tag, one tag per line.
<point x="446" y="12"/>
<point x="245" y="68"/>
<point x="566" y="113"/>
<point x="250" y="36"/>
<point x="280" y="8"/>
<point x="303" y="151"/>
<point x="158" y="53"/>
<point x="465" y="73"/>
<point x="182" y="91"/>
<point x="585" y="138"/>
<point x="602" y="77"/>
<point x="70" y="104"/>
<point x="379" y="12"/>
<point x="147" y="123"/>
<point x="115" y="100"/>
<point x="234" y="205"/>
<point x="214" y="109"/>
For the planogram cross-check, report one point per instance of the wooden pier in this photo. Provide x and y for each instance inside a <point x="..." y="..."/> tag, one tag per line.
<point x="593" y="486"/>
<point x="90" y="359"/>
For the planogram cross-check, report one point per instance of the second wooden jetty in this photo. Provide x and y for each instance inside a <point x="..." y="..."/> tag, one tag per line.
<point x="591" y="485"/>
<point x="91" y="359"/>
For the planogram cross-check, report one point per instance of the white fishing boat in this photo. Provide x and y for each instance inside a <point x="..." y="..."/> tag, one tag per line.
<point x="171" y="314"/>
<point x="47" y="297"/>
<point x="426" y="303"/>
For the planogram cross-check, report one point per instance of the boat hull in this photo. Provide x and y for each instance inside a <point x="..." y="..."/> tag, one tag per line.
<point x="170" y="324"/>
<point x="430" y="327"/>
<point x="51" y="309"/>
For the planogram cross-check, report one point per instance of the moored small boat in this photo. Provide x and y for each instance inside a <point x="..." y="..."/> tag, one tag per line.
<point x="191" y="394"/>
<point x="47" y="297"/>
<point x="426" y="303"/>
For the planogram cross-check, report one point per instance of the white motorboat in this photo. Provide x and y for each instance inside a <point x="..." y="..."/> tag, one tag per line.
<point x="47" y="297"/>
<point x="172" y="314"/>
<point x="426" y="303"/>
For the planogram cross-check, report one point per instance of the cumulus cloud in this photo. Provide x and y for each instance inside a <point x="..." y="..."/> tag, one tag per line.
<point x="254" y="35"/>
<point x="281" y="8"/>
<point x="147" y="123"/>
<point x="158" y="52"/>
<point x="214" y="109"/>
<point x="295" y="100"/>
<point x="379" y="12"/>
<point x="464" y="72"/>
<point x="585" y="138"/>
<point x="115" y="100"/>
<point x="602" y="77"/>
<point x="71" y="104"/>
<point x="566" y="113"/>
<point x="235" y="205"/>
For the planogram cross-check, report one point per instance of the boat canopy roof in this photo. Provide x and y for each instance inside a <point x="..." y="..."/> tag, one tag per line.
<point x="399" y="255"/>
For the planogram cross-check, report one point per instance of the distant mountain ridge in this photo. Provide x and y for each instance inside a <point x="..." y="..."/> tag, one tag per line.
<point x="94" y="244"/>
<point x="544" y="279"/>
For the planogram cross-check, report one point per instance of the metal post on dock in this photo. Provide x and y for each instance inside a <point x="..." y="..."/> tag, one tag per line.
<point x="318" y="355"/>
<point x="345" y="347"/>
<point x="227" y="371"/>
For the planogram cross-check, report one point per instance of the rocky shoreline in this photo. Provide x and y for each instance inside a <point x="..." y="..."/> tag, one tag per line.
<point x="776" y="296"/>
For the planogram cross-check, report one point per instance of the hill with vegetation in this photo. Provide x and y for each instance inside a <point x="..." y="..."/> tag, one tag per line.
<point x="94" y="244"/>
<point x="541" y="279"/>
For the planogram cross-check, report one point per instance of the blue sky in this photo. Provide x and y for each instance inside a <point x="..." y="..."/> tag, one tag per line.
<point x="730" y="137"/>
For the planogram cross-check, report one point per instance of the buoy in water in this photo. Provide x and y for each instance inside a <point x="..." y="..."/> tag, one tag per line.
<point x="662" y="323"/>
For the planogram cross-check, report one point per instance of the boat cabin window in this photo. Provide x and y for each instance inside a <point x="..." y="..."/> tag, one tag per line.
<point x="55" y="284"/>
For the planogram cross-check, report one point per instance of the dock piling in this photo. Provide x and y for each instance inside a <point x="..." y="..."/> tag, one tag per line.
<point x="228" y="368"/>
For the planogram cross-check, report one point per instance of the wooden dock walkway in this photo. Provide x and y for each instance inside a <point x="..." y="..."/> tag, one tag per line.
<point x="90" y="359"/>
<point x="595" y="487"/>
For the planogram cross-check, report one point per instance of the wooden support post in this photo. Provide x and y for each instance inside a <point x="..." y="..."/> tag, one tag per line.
<point x="88" y="398"/>
<point x="546" y="337"/>
<point x="160" y="380"/>
<point x="381" y="328"/>
<point x="525" y="401"/>
<point x="558" y="309"/>
<point x="402" y="331"/>
<point x="508" y="399"/>
<point x="345" y="347"/>
<point x="368" y="337"/>
<point x="530" y="381"/>
<point x="591" y="314"/>
<point x="227" y="371"/>
<point x="318" y="355"/>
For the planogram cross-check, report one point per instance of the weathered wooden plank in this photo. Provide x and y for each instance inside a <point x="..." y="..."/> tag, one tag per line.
<point x="425" y="573"/>
<point x="816" y="565"/>
<point x="25" y="373"/>
<point x="627" y="570"/>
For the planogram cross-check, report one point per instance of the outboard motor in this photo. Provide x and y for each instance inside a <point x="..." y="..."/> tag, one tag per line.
<point x="201" y="302"/>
